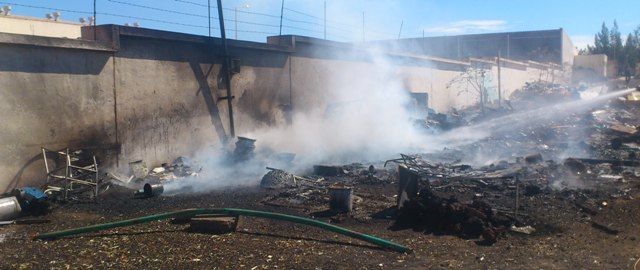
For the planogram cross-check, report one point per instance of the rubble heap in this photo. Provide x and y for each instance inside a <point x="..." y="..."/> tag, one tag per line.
<point x="436" y="214"/>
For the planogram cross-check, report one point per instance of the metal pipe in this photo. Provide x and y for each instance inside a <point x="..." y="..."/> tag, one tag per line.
<point x="226" y="69"/>
<point x="188" y="213"/>
<point x="499" y="80"/>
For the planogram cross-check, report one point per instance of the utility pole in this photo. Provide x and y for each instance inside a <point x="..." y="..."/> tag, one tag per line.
<point x="363" y="27"/>
<point x="400" y="32"/>
<point x="281" y="15"/>
<point x="499" y="80"/>
<point x="225" y="69"/>
<point x="235" y="19"/>
<point x="325" y="19"/>
<point x="209" y="15"/>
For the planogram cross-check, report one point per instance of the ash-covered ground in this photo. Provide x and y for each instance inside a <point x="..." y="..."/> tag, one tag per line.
<point x="559" y="193"/>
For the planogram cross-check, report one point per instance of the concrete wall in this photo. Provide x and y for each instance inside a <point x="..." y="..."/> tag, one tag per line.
<point x="590" y="67"/>
<point x="149" y="95"/>
<point x="39" y="27"/>
<point x="541" y="46"/>
<point x="52" y="97"/>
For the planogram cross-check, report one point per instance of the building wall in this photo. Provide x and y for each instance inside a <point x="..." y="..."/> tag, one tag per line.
<point x="568" y="50"/>
<point x="540" y="46"/>
<point x="155" y="96"/>
<point x="39" y="27"/>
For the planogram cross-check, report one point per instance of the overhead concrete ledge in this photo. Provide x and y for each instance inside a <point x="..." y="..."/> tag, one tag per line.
<point x="39" y="41"/>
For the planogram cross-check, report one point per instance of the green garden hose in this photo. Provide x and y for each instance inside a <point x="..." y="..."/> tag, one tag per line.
<point x="187" y="213"/>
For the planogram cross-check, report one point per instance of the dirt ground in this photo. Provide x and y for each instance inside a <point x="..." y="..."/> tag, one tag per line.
<point x="567" y="241"/>
<point x="586" y="212"/>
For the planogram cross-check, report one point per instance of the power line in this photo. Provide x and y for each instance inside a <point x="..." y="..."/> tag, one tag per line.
<point x="269" y="15"/>
<point x="159" y="9"/>
<point x="46" y="8"/>
<point x="302" y="13"/>
<point x="188" y="14"/>
<point x="195" y="15"/>
<point x="127" y="17"/>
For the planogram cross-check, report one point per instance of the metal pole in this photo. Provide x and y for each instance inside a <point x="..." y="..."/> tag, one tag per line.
<point x="499" y="80"/>
<point x="225" y="69"/>
<point x="400" y="32"/>
<point x="517" y="196"/>
<point x="235" y="18"/>
<point x="363" y="26"/>
<point x="95" y="37"/>
<point x="325" y="19"/>
<point x="209" y="15"/>
<point x="281" y="15"/>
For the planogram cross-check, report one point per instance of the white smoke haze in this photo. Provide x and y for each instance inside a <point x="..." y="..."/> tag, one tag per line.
<point x="367" y="119"/>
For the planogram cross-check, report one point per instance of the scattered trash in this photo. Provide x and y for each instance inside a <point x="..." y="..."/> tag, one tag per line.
<point x="605" y="228"/>
<point x="138" y="169"/>
<point x="9" y="208"/>
<point x="325" y="170"/>
<point x="213" y="224"/>
<point x="340" y="198"/>
<point x="244" y="149"/>
<point x="524" y="230"/>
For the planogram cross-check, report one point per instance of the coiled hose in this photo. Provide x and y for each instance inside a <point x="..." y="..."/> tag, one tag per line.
<point x="187" y="213"/>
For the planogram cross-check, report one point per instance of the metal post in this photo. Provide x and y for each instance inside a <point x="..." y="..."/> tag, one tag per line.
<point x="281" y="15"/>
<point x="95" y="37"/>
<point x="225" y="69"/>
<point x="67" y="172"/>
<point x="400" y="33"/>
<point x="508" y="46"/>
<point x="209" y="15"/>
<point x="46" y="164"/>
<point x="499" y="80"/>
<point x="95" y="167"/>
<point x="363" y="26"/>
<point x="235" y="16"/>
<point x="517" y="197"/>
<point x="325" y="19"/>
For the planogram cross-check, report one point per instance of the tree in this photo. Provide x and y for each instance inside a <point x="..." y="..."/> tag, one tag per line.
<point x="616" y="52"/>
<point x="473" y="79"/>
<point x="631" y="54"/>
<point x="602" y="42"/>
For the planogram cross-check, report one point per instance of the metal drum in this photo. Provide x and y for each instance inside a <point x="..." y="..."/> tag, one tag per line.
<point x="9" y="208"/>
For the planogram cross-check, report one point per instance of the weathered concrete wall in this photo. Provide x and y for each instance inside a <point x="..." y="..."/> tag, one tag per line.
<point x="169" y="94"/>
<point x="51" y="97"/>
<point x="157" y="95"/>
<point x="595" y="63"/>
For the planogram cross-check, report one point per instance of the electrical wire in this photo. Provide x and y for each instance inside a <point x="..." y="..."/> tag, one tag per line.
<point x="46" y="8"/>
<point x="198" y="15"/>
<point x="269" y="15"/>
<point x="158" y="9"/>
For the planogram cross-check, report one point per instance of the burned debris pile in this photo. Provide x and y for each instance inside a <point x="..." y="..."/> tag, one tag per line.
<point x="436" y="214"/>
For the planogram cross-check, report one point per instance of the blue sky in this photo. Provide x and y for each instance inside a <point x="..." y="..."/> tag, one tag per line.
<point x="382" y="19"/>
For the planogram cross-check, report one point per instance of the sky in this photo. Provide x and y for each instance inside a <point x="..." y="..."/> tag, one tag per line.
<point x="257" y="19"/>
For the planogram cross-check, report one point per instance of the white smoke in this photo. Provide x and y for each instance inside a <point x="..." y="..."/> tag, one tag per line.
<point x="366" y="118"/>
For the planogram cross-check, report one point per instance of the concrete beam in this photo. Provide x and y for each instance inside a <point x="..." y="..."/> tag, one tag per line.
<point x="38" y="41"/>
